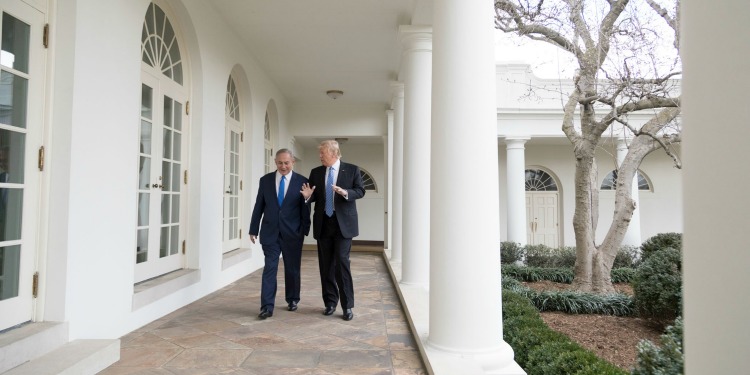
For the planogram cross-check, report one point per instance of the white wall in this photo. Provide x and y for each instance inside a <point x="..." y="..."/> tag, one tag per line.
<point x="98" y="165"/>
<point x="661" y="209"/>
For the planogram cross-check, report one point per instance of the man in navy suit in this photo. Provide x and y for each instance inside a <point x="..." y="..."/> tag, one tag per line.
<point x="335" y="223"/>
<point x="286" y="222"/>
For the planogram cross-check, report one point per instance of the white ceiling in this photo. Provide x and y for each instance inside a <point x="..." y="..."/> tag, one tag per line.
<point x="311" y="46"/>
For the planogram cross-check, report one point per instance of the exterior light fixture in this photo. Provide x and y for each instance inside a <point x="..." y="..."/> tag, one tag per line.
<point x="334" y="94"/>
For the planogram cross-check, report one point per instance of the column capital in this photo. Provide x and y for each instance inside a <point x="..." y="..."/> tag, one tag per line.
<point x="515" y="142"/>
<point x="415" y="38"/>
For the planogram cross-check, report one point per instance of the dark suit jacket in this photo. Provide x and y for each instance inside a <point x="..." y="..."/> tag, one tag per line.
<point x="292" y="219"/>
<point x="350" y="179"/>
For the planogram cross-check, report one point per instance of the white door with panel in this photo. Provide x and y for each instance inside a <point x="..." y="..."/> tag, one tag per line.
<point x="160" y="180"/>
<point x="542" y="209"/>
<point x="542" y="213"/>
<point x="22" y="65"/>
<point x="232" y="223"/>
<point x="162" y="153"/>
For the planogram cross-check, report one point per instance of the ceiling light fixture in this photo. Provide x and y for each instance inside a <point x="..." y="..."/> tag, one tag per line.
<point x="334" y="94"/>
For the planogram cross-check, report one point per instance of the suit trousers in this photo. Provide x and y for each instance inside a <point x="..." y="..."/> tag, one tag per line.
<point x="292" y="255"/>
<point x="334" y="266"/>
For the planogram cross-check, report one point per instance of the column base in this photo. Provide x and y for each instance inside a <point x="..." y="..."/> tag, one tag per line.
<point x="498" y="360"/>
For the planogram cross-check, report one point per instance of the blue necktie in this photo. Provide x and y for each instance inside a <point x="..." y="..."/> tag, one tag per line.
<point x="329" y="193"/>
<point x="281" y="190"/>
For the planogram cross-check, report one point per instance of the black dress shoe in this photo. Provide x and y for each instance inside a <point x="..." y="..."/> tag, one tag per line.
<point x="329" y="310"/>
<point x="265" y="314"/>
<point x="292" y="306"/>
<point x="348" y="314"/>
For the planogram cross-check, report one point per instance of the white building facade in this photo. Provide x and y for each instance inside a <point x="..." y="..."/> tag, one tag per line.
<point x="134" y="133"/>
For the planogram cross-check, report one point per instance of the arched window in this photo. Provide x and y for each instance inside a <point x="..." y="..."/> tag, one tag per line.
<point x="368" y="180"/>
<point x="611" y="179"/>
<point x="232" y="169"/>
<point x="268" y="159"/>
<point x="163" y="133"/>
<point x="159" y="44"/>
<point x="539" y="180"/>
<point x="232" y="102"/>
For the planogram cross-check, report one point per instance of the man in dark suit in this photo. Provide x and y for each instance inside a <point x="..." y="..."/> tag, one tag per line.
<point x="335" y="223"/>
<point x="286" y="222"/>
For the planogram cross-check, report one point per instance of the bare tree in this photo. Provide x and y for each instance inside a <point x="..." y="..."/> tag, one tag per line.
<point x="627" y="56"/>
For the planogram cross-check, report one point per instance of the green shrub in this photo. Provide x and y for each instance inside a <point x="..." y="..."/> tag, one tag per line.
<point x="558" y="275"/>
<point x="511" y="252"/>
<point x="661" y="241"/>
<point x="547" y="257"/>
<point x="623" y="275"/>
<point x="627" y="257"/>
<point x="538" y="255"/>
<point x="668" y="358"/>
<point x="558" y="358"/>
<point x="535" y="344"/>
<point x="583" y="303"/>
<point x="658" y="286"/>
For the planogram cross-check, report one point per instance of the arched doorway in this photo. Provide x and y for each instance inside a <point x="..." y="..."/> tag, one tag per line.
<point x="542" y="209"/>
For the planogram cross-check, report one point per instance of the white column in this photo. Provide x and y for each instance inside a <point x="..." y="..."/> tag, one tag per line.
<point x="465" y="320"/>
<point x="416" y="69"/>
<point x="389" y="182"/>
<point x="396" y="211"/>
<point x="715" y="180"/>
<point x="633" y="234"/>
<point x="516" y="179"/>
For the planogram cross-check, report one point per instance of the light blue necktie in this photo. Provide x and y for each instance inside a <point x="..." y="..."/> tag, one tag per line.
<point x="281" y="190"/>
<point x="329" y="193"/>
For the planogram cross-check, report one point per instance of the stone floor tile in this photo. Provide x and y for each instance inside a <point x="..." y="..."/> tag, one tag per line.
<point x="286" y="359"/>
<point x="209" y="358"/>
<point x="221" y="333"/>
<point x="355" y="359"/>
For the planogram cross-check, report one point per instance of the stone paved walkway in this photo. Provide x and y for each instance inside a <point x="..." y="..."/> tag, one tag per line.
<point x="221" y="334"/>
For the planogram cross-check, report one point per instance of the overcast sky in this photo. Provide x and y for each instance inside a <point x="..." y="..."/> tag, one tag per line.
<point x="546" y="61"/>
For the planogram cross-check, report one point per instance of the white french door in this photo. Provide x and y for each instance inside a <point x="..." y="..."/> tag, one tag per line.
<point x="232" y="186"/>
<point x="21" y="136"/>
<point x="161" y="200"/>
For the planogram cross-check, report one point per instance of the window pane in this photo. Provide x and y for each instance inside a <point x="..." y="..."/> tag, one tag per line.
<point x="168" y="111"/>
<point x="141" y="252"/>
<point x="175" y="178"/>
<point x="175" y="208"/>
<point x="12" y="158"/>
<point x="13" y="91"/>
<point x="177" y="147"/>
<point x="165" y="208"/>
<point x="178" y="72"/>
<point x="177" y="116"/>
<point x="164" y="242"/>
<point x="174" y="240"/>
<point x="11" y="211"/>
<point x="144" y="174"/>
<point x="146" y="137"/>
<point x="166" y="175"/>
<point x="10" y="264"/>
<point x="147" y="101"/>
<point x="167" y="144"/>
<point x="143" y="209"/>
<point x="15" y="45"/>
